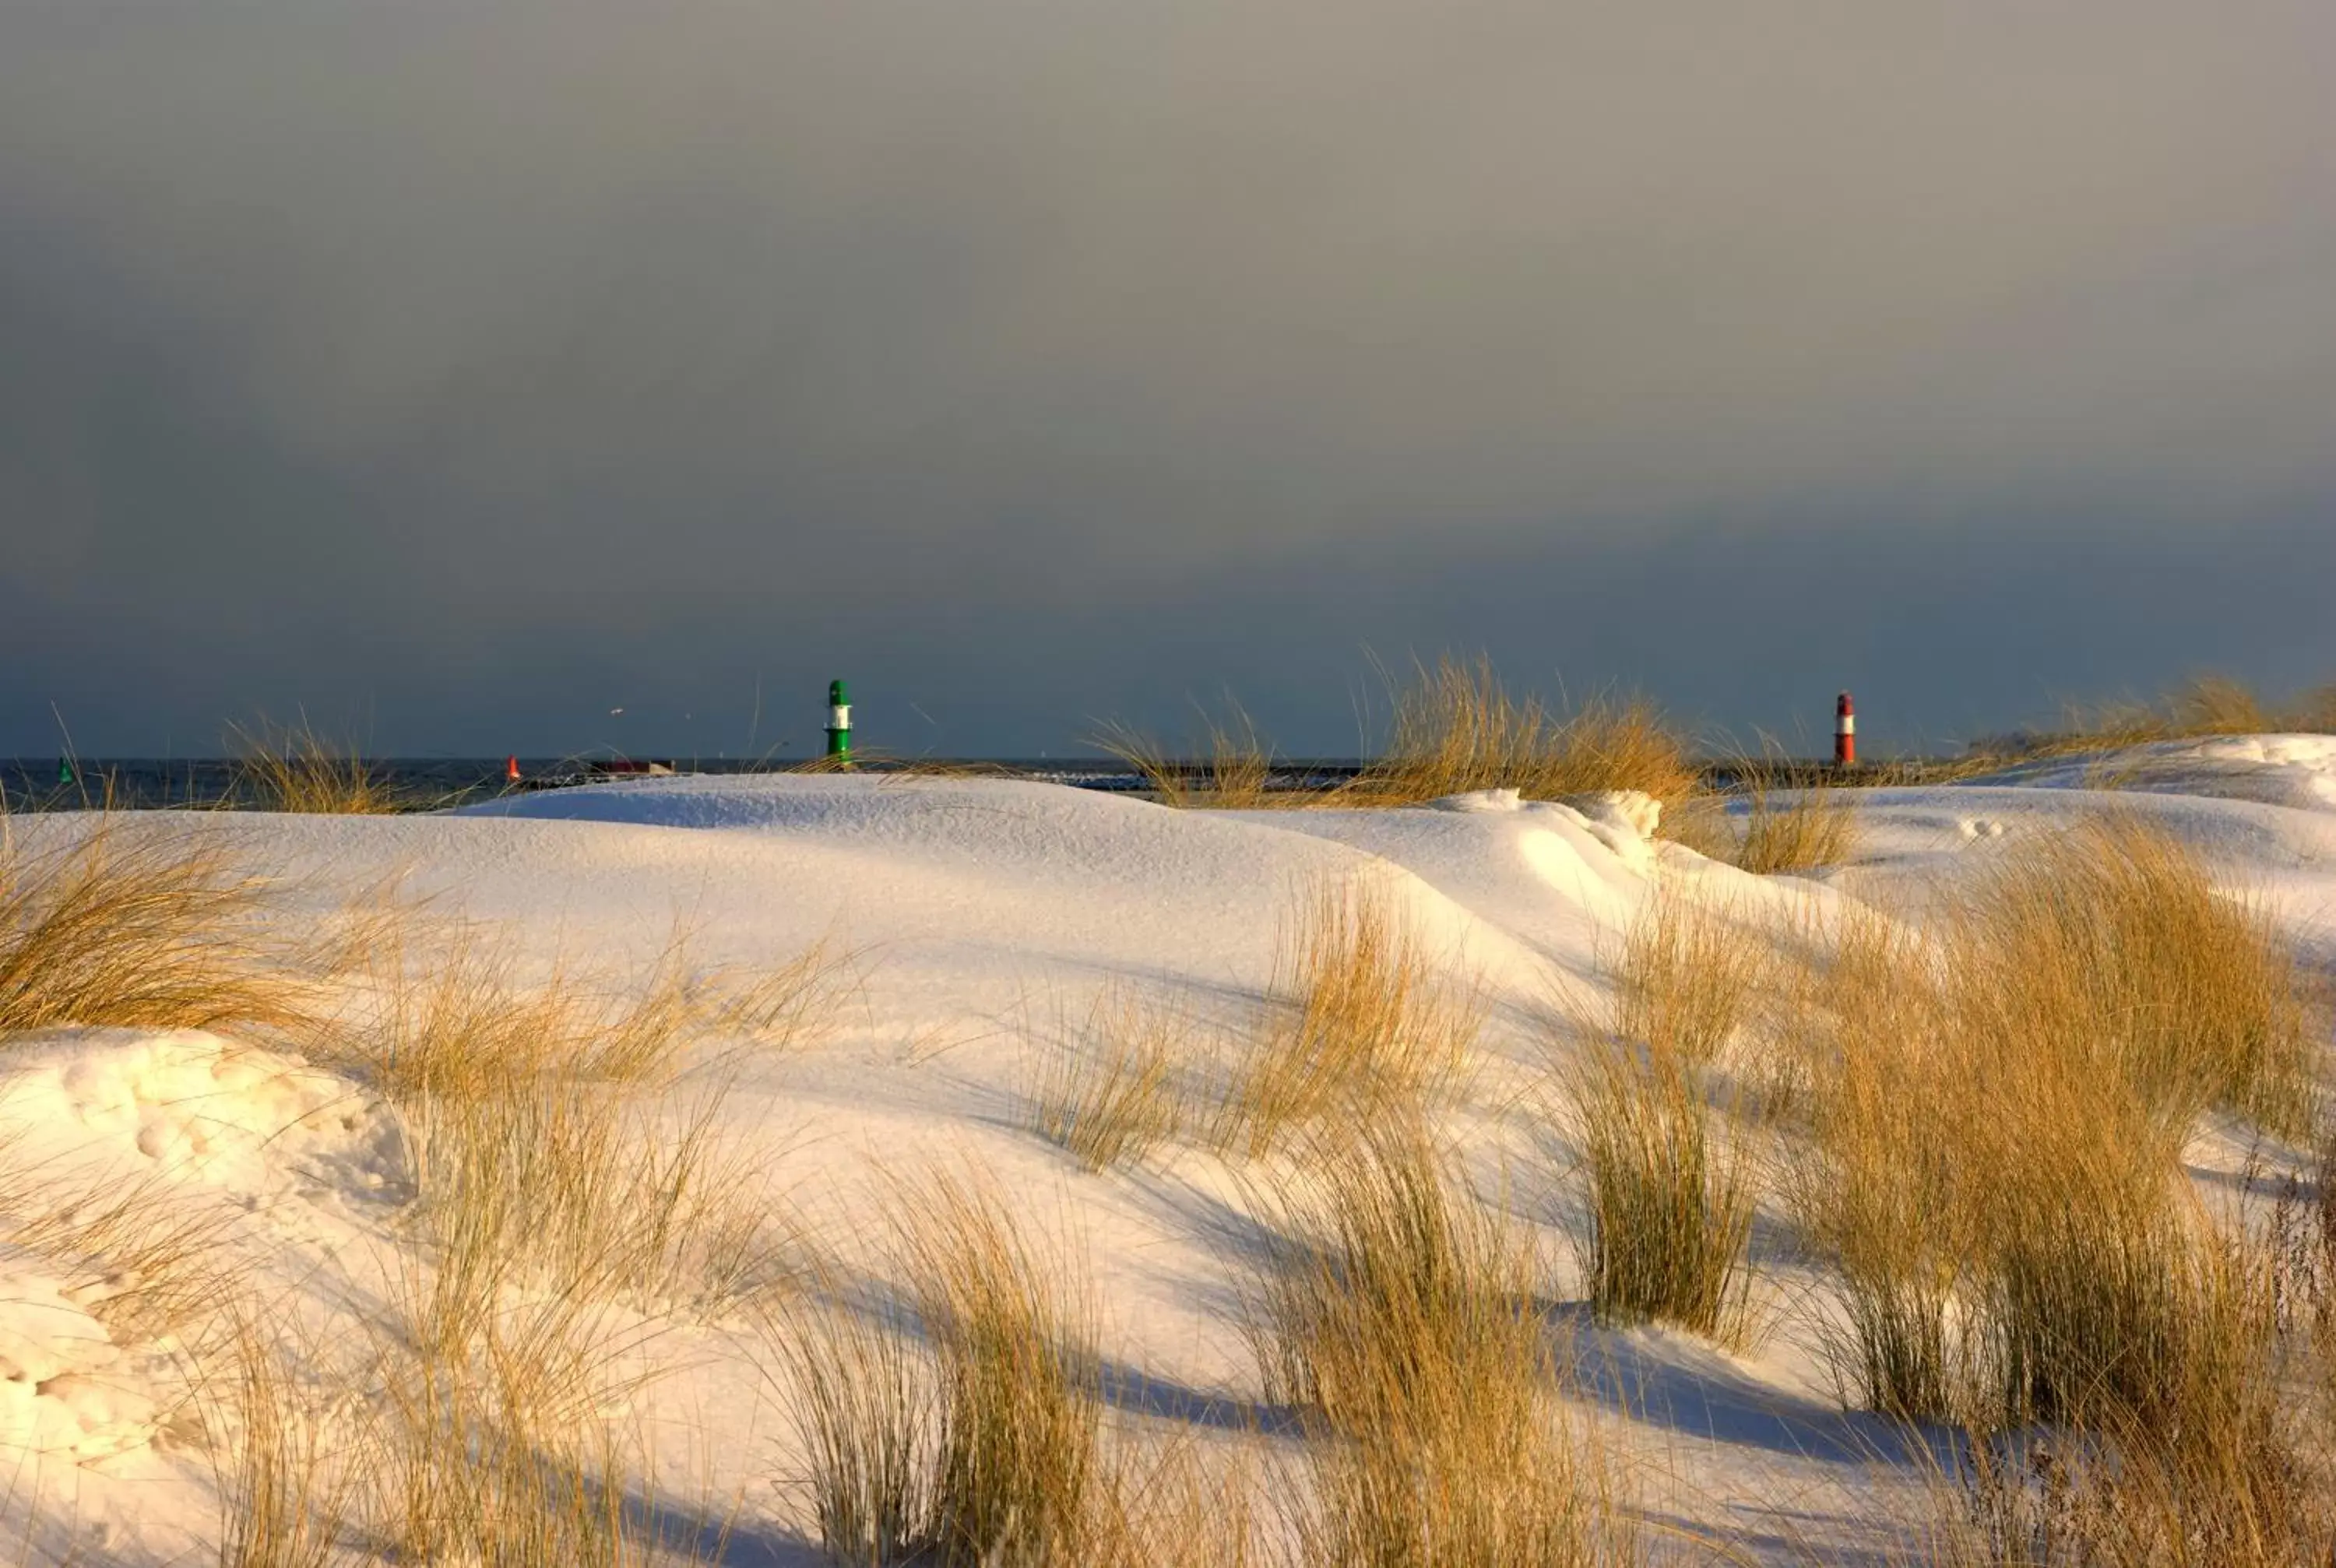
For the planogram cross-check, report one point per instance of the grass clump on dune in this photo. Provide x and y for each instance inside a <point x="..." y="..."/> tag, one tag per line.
<point x="862" y="1391"/>
<point x="571" y="1186"/>
<point x="1113" y="1097"/>
<point x="557" y="1218"/>
<point x="1685" y="978"/>
<point x="454" y="1016"/>
<point x="141" y="925"/>
<point x="455" y="1022"/>
<point x="1879" y="1185"/>
<point x="1365" y="1021"/>
<point x="293" y="768"/>
<point x="1019" y="1429"/>
<point x="2114" y="935"/>
<point x="964" y="1426"/>
<point x="1671" y="1203"/>
<point x="1998" y="1115"/>
<point x="1796" y="829"/>
<point x="569" y="1201"/>
<point x="2315" y="711"/>
<point x="2000" y="1098"/>
<point x="490" y="1438"/>
<point x="982" y="1444"/>
<point x="1399" y="1317"/>
<point x="2100" y="1291"/>
<point x="2204" y="705"/>
<point x="1457" y="728"/>
<point x="1234" y="770"/>
<point x="1670" y="1206"/>
<point x="2125" y="1493"/>
<point x="553" y="1131"/>
<point x="2227" y="1473"/>
<point x="2201" y="706"/>
<point x="2218" y="704"/>
<point x="283" y="1502"/>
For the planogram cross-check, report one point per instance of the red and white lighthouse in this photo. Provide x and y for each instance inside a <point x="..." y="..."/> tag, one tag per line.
<point x="1845" y="733"/>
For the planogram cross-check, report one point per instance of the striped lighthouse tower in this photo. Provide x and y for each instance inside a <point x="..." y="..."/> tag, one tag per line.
<point x="1845" y="733"/>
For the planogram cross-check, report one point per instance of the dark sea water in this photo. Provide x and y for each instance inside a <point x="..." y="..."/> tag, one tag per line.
<point x="146" y="784"/>
<point x="428" y="783"/>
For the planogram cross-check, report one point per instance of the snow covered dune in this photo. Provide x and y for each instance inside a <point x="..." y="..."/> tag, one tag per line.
<point x="763" y="1016"/>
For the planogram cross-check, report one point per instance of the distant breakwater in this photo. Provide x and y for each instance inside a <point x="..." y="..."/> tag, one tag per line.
<point x="426" y="784"/>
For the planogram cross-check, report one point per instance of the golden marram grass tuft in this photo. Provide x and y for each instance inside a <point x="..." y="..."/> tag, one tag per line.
<point x="1454" y="728"/>
<point x="1670" y="1195"/>
<point x="1398" y="1314"/>
<point x="2001" y="1094"/>
<point x="139" y="923"/>
<point x="2114" y="935"/>
<point x="1457" y="728"/>
<point x="1236" y="764"/>
<point x="292" y="768"/>
<point x="1795" y="829"/>
<point x="1367" y="1020"/>
<point x="1113" y="1094"/>
<point x="970" y="1436"/>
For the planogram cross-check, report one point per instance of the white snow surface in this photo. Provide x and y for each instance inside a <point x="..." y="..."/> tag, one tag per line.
<point x="971" y="922"/>
<point x="2289" y="770"/>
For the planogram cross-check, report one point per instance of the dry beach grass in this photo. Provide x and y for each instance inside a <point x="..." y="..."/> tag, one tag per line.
<point x="569" y="1199"/>
<point x="570" y="1205"/>
<point x="293" y="768"/>
<point x="1368" y="1020"/>
<point x="1670" y="1195"/>
<point x="970" y="1436"/>
<point x="1456" y="727"/>
<point x="561" y="1136"/>
<point x="1994" y="1167"/>
<point x="1235" y="765"/>
<point x="1113" y="1095"/>
<point x="1398" y="1314"/>
<point x="2060" y="1028"/>
<point x="1796" y="829"/>
<point x="139" y="924"/>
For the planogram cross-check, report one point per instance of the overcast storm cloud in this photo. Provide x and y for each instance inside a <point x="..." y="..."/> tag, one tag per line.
<point x="465" y="371"/>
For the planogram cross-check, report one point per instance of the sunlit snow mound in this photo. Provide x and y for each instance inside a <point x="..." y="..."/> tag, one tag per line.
<point x="1524" y="868"/>
<point x="2284" y="770"/>
<point x="116" y="1140"/>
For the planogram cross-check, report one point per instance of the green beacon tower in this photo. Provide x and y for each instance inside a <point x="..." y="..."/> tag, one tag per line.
<point x="839" y="719"/>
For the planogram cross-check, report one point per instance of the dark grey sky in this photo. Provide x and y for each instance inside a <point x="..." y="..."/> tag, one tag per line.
<point x="463" y="371"/>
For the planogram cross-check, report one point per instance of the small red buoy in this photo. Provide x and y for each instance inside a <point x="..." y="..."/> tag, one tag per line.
<point x="1845" y="733"/>
<point x="511" y="768"/>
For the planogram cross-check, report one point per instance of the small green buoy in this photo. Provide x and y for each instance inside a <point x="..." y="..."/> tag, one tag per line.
<point x="64" y="770"/>
<point x="838" y="720"/>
